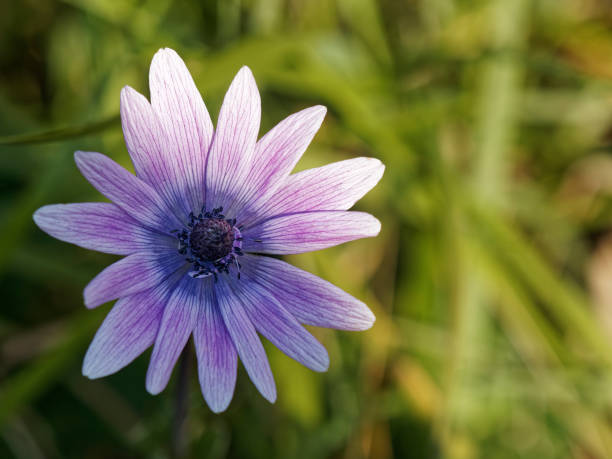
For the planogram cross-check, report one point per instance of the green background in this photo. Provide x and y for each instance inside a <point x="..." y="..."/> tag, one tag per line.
<point x="491" y="279"/>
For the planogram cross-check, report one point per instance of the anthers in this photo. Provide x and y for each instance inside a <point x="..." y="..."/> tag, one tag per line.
<point x="211" y="242"/>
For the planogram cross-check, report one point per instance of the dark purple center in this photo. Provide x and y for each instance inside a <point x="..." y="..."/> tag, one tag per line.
<point x="211" y="239"/>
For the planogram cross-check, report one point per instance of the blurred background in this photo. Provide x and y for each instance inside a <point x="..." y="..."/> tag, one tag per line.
<point x="491" y="279"/>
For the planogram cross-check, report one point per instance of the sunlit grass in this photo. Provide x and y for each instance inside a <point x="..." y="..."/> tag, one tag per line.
<point x="493" y="117"/>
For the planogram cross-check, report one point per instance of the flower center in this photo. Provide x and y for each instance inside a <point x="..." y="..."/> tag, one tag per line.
<point x="211" y="243"/>
<point x="211" y="239"/>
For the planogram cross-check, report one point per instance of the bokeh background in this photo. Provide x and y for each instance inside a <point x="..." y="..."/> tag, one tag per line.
<point x="491" y="279"/>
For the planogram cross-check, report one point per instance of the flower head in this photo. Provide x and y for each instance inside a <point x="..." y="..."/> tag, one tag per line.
<point x="202" y="204"/>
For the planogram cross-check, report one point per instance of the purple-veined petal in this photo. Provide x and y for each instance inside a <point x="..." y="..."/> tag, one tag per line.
<point x="280" y="327"/>
<point x="308" y="231"/>
<point x="132" y="274"/>
<point x="277" y="153"/>
<point x="246" y="341"/>
<point x="186" y="122"/>
<point x="310" y="299"/>
<point x="217" y="359"/>
<point x="336" y="186"/>
<point x="147" y="143"/>
<point x="97" y="226"/>
<point x="127" y="331"/>
<point x="178" y="321"/>
<point x="234" y="141"/>
<point x="130" y="193"/>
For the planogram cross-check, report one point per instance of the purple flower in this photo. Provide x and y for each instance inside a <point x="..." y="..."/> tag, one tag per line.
<point x="190" y="223"/>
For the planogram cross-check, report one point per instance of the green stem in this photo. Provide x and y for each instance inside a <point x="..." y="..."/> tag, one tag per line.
<point x="179" y="424"/>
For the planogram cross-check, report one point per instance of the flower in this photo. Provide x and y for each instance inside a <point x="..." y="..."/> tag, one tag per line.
<point x="192" y="224"/>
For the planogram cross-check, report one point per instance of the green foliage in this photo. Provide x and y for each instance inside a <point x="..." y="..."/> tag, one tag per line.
<point x="490" y="279"/>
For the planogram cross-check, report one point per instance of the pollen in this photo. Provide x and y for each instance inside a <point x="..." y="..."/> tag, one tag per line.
<point x="212" y="239"/>
<point x="211" y="243"/>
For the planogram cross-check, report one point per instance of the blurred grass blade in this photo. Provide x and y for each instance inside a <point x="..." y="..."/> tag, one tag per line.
<point x="18" y="218"/>
<point x="22" y="388"/>
<point x="533" y="334"/>
<point x="498" y="99"/>
<point x="364" y="18"/>
<point x="69" y="132"/>
<point x="564" y="300"/>
<point x="496" y="120"/>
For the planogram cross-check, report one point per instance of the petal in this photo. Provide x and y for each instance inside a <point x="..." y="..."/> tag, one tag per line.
<point x="128" y="330"/>
<point x="281" y="328"/>
<point x="97" y="226"/>
<point x="181" y="110"/>
<point x="178" y="321"/>
<point x="147" y="144"/>
<point x="217" y="360"/>
<point x="234" y="141"/>
<point x="310" y="299"/>
<point x="132" y="274"/>
<point x="336" y="186"/>
<point x="245" y="338"/>
<point x="130" y="193"/>
<point x="277" y="153"/>
<point x="308" y="231"/>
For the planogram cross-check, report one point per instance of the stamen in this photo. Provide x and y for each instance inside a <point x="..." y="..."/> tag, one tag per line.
<point x="211" y="243"/>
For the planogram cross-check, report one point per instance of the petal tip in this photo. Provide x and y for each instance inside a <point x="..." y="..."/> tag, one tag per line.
<point x="165" y="52"/>
<point x="271" y="397"/>
<point x="39" y="215"/>
<point x="127" y="92"/>
<point x="380" y="169"/>
<point x="80" y="157"/>
<point x="218" y="402"/>
<point x="267" y="390"/>
<point x="376" y="227"/>
<point x="153" y="390"/>
<point x="245" y="70"/>
<point x="152" y="385"/>
<point x="245" y="78"/>
<point x="369" y="319"/>
<point x="89" y="298"/>
<point x="89" y="369"/>
<point x="317" y="114"/>
<point x="320" y="109"/>
<point x="376" y="161"/>
<point x="376" y="165"/>
<point x="323" y="365"/>
<point x="217" y="407"/>
<point x="165" y="62"/>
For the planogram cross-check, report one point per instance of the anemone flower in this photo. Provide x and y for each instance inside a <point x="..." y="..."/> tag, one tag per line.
<point x="195" y="223"/>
